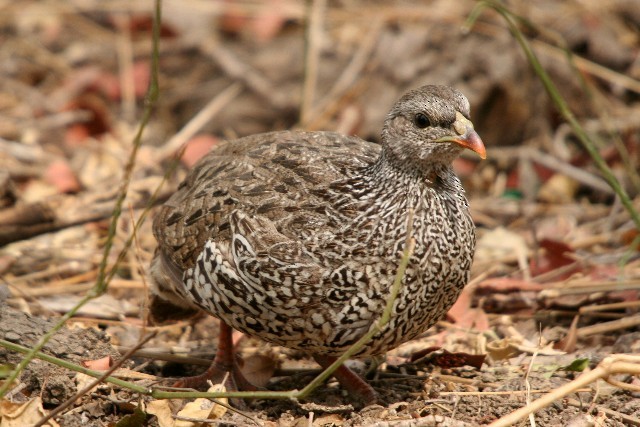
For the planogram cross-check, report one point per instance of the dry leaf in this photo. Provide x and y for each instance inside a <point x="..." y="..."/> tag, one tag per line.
<point x="203" y="409"/>
<point x="502" y="349"/>
<point x="329" y="420"/>
<point x="501" y="243"/>
<point x="162" y="410"/>
<point x="558" y="189"/>
<point x="258" y="369"/>
<point x="628" y="237"/>
<point x="462" y="304"/>
<point x="83" y="380"/>
<point x="76" y="135"/>
<point x="196" y="148"/>
<point x="466" y="317"/>
<point x="99" y="364"/>
<point x="263" y="25"/>
<point x="23" y="414"/>
<point x="60" y="175"/>
<point x="136" y="419"/>
<point x="267" y="24"/>
<point x="555" y="256"/>
<point x="464" y="167"/>
<point x="99" y="122"/>
<point x="141" y="75"/>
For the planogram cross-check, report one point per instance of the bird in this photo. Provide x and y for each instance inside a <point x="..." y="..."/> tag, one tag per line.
<point x="294" y="237"/>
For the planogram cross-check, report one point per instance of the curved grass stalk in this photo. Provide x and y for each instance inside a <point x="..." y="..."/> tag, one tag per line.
<point x="512" y="21"/>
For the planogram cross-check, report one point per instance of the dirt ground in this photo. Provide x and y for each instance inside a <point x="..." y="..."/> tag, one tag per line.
<point x="556" y="276"/>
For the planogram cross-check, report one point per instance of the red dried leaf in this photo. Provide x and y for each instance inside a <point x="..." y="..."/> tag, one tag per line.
<point x="629" y="236"/>
<point x="141" y="75"/>
<point x="232" y="21"/>
<point x="604" y="271"/>
<point x="461" y="306"/>
<point x="268" y="23"/>
<point x="196" y="148"/>
<point x="473" y="318"/>
<point x="76" y="135"/>
<point x="60" y="175"/>
<point x="140" y="26"/>
<point x="554" y="256"/>
<point x="624" y="296"/>
<point x="466" y="317"/>
<point x="107" y="84"/>
<point x="98" y="364"/>
<point x="543" y="172"/>
<point x="513" y="179"/>
<point x="99" y="122"/>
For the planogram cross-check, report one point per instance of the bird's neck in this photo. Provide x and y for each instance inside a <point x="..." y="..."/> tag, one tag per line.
<point x="388" y="168"/>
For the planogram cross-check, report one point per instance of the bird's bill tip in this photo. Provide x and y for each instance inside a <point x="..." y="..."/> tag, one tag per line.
<point x="471" y="140"/>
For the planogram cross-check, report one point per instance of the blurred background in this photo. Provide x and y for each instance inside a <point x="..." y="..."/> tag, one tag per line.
<point x="74" y="74"/>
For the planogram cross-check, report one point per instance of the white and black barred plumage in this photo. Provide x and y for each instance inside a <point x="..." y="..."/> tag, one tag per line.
<point x="294" y="237"/>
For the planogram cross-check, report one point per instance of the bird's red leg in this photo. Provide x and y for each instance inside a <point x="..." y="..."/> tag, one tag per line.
<point x="223" y="363"/>
<point x="350" y="381"/>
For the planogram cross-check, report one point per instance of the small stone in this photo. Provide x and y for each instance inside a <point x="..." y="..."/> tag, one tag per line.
<point x="12" y="336"/>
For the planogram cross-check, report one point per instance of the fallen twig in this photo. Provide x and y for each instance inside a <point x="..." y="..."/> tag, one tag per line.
<point x="614" y="364"/>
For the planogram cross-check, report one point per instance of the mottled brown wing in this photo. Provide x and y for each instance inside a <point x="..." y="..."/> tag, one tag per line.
<point x="274" y="175"/>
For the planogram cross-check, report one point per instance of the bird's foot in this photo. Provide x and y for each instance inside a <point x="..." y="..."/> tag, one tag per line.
<point x="350" y="381"/>
<point x="215" y="375"/>
<point x="223" y="369"/>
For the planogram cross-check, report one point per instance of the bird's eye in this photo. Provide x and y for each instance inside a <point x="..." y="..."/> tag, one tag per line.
<point x="421" y="121"/>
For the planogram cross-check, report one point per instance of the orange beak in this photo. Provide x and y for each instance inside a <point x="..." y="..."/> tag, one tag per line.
<point x="472" y="141"/>
<point x="466" y="136"/>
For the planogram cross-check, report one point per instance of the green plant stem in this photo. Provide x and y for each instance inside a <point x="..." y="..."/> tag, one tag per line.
<point x="129" y="385"/>
<point x="557" y="99"/>
<point x="70" y="366"/>
<point x="102" y="284"/>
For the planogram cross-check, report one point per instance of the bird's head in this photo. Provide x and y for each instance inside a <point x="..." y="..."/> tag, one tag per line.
<point x="429" y="126"/>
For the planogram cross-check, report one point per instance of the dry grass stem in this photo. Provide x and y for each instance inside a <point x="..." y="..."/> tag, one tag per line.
<point x="614" y="364"/>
